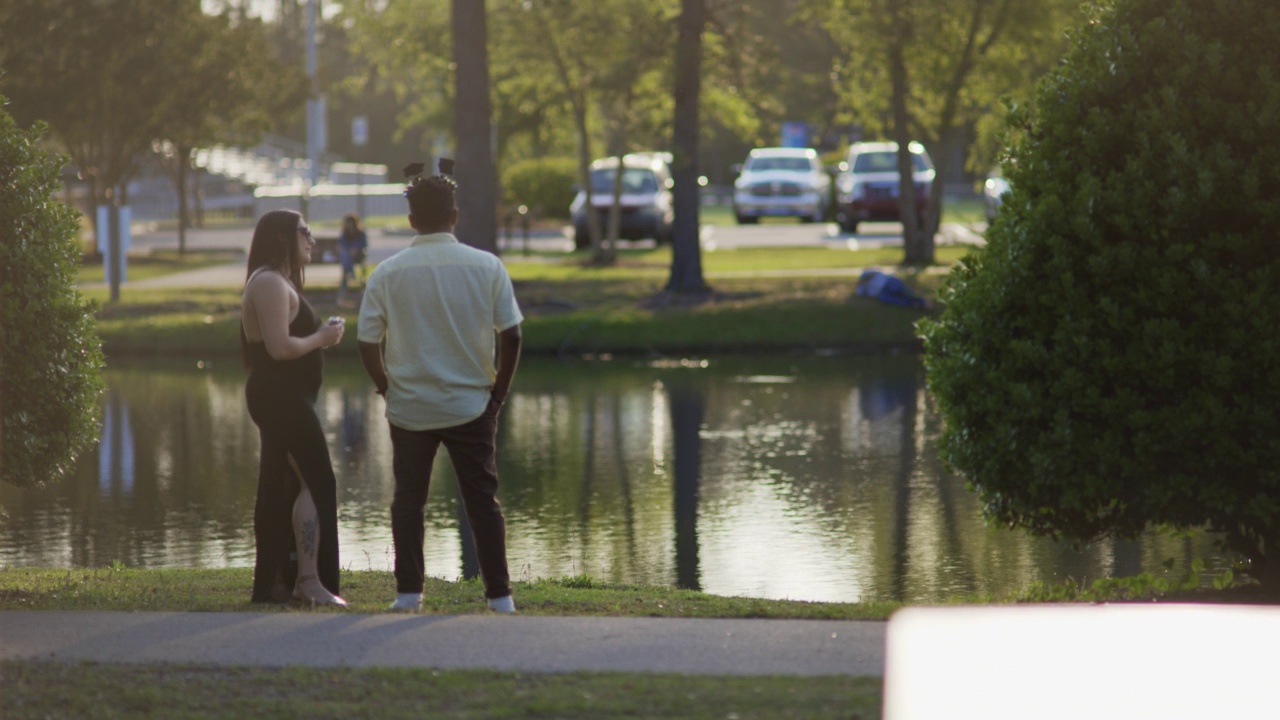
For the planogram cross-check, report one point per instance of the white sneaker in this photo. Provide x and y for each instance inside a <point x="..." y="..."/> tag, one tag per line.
<point x="407" y="602"/>
<point x="502" y="605"/>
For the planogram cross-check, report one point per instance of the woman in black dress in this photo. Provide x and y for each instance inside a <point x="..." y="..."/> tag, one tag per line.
<point x="280" y="342"/>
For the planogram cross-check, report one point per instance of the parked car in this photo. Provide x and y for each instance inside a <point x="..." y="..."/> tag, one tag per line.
<point x="867" y="187"/>
<point x="646" y="205"/>
<point x="781" y="182"/>
<point x="993" y="190"/>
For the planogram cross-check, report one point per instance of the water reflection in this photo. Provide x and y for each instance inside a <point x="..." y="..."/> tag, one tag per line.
<point x="810" y="479"/>
<point x="688" y="406"/>
<point x="115" y="453"/>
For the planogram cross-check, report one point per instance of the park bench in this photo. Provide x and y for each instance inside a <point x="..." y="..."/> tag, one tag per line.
<point x="325" y="250"/>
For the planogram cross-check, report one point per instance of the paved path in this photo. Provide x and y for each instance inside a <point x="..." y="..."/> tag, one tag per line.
<point x="508" y="643"/>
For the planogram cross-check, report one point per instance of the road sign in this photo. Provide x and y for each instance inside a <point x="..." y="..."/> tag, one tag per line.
<point x="359" y="130"/>
<point x="795" y="134"/>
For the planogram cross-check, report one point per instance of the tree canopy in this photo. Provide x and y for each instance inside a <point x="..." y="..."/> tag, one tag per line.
<point x="95" y="72"/>
<point x="1110" y="360"/>
<point x="931" y="70"/>
<point x="112" y="78"/>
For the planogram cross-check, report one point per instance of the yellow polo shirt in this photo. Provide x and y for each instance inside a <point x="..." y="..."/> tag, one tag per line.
<point x="438" y="303"/>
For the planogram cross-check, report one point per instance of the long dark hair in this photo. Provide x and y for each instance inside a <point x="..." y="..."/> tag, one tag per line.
<point x="351" y="221"/>
<point x="274" y="246"/>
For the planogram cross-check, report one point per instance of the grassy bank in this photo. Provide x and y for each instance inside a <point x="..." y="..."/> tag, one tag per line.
<point x="761" y="300"/>
<point x="368" y="591"/>
<point x="120" y="588"/>
<point x="38" y="690"/>
<point x="159" y="263"/>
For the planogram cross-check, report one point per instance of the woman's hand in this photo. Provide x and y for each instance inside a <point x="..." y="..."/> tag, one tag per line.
<point x="331" y="332"/>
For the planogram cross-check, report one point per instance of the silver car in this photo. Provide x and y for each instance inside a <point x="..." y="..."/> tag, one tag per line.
<point x="645" y="206"/>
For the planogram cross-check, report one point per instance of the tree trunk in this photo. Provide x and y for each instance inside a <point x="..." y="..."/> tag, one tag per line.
<point x="949" y="142"/>
<point x="686" y="254"/>
<point x="1270" y="578"/>
<point x="198" y="194"/>
<point x="607" y="253"/>
<point x="472" y="128"/>
<point x="183" y="155"/>
<point x="94" y="202"/>
<point x="1" y="418"/>
<point x="115" y="253"/>
<point x="915" y="250"/>
<point x="2" y="341"/>
<point x="584" y="174"/>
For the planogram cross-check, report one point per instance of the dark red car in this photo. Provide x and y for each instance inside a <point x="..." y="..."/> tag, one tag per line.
<point x="867" y="188"/>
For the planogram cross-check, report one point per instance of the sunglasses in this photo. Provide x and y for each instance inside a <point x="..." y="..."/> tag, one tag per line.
<point x="305" y="230"/>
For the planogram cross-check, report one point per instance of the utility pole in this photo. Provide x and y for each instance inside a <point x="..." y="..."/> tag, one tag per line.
<point x="315" y="104"/>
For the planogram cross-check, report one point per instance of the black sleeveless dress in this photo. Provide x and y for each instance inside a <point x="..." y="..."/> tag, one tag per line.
<point x="281" y="396"/>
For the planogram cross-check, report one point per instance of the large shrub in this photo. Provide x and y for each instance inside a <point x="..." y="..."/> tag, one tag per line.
<point x="50" y="358"/>
<point x="545" y="185"/>
<point x="1112" y="359"/>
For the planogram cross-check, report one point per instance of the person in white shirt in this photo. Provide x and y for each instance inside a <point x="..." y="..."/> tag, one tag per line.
<point x="440" y="306"/>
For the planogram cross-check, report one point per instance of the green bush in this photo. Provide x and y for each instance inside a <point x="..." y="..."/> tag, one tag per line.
<point x="545" y="185"/>
<point x="1112" y="359"/>
<point x="51" y="360"/>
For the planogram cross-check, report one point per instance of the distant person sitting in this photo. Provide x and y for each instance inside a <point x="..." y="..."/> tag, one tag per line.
<point x="887" y="289"/>
<point x="353" y="243"/>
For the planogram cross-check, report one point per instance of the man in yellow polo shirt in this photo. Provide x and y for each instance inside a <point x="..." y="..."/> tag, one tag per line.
<point x="438" y="304"/>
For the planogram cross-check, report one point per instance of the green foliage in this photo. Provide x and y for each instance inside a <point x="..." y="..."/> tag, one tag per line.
<point x="582" y="582"/>
<point x="49" y="369"/>
<point x="95" y="73"/>
<point x="961" y="57"/>
<point x="545" y="185"/>
<point x="1138" y="587"/>
<point x="224" y="83"/>
<point x="1111" y="359"/>
<point x="113" y="77"/>
<point x="1144" y="586"/>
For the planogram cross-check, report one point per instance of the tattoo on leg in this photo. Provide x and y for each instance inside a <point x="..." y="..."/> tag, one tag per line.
<point x="309" y="531"/>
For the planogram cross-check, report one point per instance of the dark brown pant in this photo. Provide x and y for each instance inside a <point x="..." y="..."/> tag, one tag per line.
<point x="472" y="449"/>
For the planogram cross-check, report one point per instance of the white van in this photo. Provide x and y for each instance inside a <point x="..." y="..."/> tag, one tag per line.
<point x="781" y="182"/>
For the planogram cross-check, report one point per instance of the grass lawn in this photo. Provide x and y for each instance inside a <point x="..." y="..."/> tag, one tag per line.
<point x="762" y="299"/>
<point x="159" y="263"/>
<point x="368" y="591"/>
<point x="40" y="690"/>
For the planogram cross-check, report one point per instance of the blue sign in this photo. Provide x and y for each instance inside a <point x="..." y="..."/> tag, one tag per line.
<point x="795" y="134"/>
<point x="123" y="221"/>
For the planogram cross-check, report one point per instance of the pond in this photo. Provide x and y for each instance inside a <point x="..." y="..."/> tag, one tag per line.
<point x="805" y="478"/>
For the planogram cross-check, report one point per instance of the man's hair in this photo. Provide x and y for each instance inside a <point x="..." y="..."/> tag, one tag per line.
<point x="431" y="200"/>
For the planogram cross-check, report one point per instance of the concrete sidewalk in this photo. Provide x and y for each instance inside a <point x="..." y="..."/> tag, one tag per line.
<point x="508" y="643"/>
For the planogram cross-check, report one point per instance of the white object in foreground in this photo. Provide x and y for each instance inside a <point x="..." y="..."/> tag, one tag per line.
<point x="1053" y="662"/>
